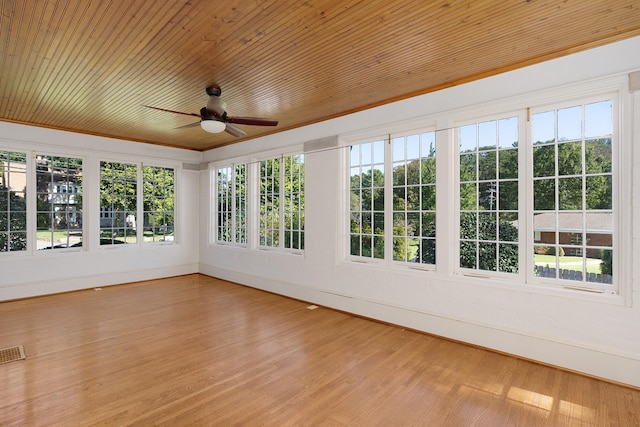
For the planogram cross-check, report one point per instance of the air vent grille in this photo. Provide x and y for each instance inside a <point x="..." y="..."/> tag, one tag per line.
<point x="12" y="354"/>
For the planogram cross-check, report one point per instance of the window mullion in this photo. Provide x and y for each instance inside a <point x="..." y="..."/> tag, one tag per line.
<point x="140" y="201"/>
<point x="232" y="203"/>
<point x="446" y="224"/>
<point x="388" y="200"/>
<point x="281" y="204"/>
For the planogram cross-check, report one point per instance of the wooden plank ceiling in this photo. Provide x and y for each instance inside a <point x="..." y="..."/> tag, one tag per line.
<point x="90" y="66"/>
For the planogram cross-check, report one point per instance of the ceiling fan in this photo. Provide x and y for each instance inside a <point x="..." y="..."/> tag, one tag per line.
<point x="214" y="118"/>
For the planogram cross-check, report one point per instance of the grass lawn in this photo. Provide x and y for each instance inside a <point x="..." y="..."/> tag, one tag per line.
<point x="568" y="262"/>
<point x="46" y="235"/>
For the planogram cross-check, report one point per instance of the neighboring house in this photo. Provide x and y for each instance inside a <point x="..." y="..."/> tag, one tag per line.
<point x="61" y="189"/>
<point x="599" y="226"/>
<point x="18" y="180"/>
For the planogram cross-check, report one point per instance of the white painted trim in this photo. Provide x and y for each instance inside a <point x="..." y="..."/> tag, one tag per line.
<point x="597" y="362"/>
<point x="31" y="289"/>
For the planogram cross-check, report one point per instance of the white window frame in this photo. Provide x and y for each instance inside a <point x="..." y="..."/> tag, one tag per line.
<point x="614" y="87"/>
<point x="379" y="140"/>
<point x="476" y="272"/>
<point x="103" y="214"/>
<point x="138" y="198"/>
<point x="281" y="206"/>
<point x="29" y="201"/>
<point x="235" y="240"/>
<point x="388" y="211"/>
<point x="53" y="192"/>
<point x="619" y="181"/>
<point x="168" y="238"/>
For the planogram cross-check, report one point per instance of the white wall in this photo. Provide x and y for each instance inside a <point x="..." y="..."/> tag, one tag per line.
<point x="596" y="335"/>
<point x="45" y="272"/>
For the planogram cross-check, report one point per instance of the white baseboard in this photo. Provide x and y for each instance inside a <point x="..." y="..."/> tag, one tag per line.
<point x="26" y="290"/>
<point x="594" y="362"/>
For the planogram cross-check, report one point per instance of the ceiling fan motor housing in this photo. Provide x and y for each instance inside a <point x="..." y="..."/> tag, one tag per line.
<point x="214" y="91"/>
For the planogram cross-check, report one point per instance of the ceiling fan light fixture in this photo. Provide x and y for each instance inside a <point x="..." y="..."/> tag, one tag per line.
<point x="213" y="126"/>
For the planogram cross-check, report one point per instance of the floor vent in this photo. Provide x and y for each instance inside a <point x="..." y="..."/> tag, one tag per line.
<point x="12" y="354"/>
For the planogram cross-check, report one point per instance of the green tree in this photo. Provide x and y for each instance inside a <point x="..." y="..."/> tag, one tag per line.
<point x="286" y="197"/>
<point x="414" y="205"/>
<point x="486" y="253"/>
<point x="294" y="202"/>
<point x="569" y="163"/>
<point x="367" y="214"/>
<point x="118" y="196"/>
<point x="158" y="195"/>
<point x="13" y="221"/>
<point x="606" y="266"/>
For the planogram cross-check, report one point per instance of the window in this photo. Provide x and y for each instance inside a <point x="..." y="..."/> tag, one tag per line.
<point x="573" y="184"/>
<point x="414" y="198"/>
<point x="293" y="207"/>
<point x="231" y="196"/>
<point x="158" y="202"/>
<point x="412" y="188"/>
<point x="366" y="204"/>
<point x="13" y="201"/>
<point x="281" y="203"/>
<point x="59" y="202"/>
<point x="118" y="202"/>
<point x="533" y="196"/>
<point x="488" y="195"/>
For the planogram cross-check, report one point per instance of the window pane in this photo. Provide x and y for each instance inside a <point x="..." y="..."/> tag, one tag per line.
<point x="398" y="149"/>
<point x="508" y="164"/>
<point x="269" y="201"/>
<point x="367" y="216"/>
<point x="569" y="123"/>
<point x="414" y="197"/>
<point x="13" y="201"/>
<point x="158" y="205"/>
<point x="507" y="227"/>
<point x="486" y="195"/>
<point x="487" y="256"/>
<point x="572" y="233"/>
<point x="544" y="194"/>
<point x="487" y="225"/>
<point x="487" y="165"/>
<point x="118" y="203"/>
<point x="598" y="119"/>
<point x="508" y="258"/>
<point x="508" y="132"/>
<point x="508" y="195"/>
<point x="570" y="193"/>
<point x="468" y="254"/>
<point x="544" y="161"/>
<point x="570" y="158"/>
<point x="468" y="196"/>
<point x="428" y="197"/>
<point x="598" y="156"/>
<point x="468" y="225"/>
<point x="543" y="128"/>
<point x="468" y="167"/>
<point x="294" y="202"/>
<point x="599" y="192"/>
<point x="487" y="135"/>
<point x="467" y="135"/>
<point x="59" y="202"/>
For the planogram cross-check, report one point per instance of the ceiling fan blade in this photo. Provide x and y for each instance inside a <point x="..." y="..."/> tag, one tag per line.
<point x="253" y="121"/>
<point x="234" y="130"/>
<point x="190" y="125"/>
<point x="172" y="111"/>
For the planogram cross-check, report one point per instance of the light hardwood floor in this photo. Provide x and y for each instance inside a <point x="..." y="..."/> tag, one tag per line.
<point x="198" y="351"/>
